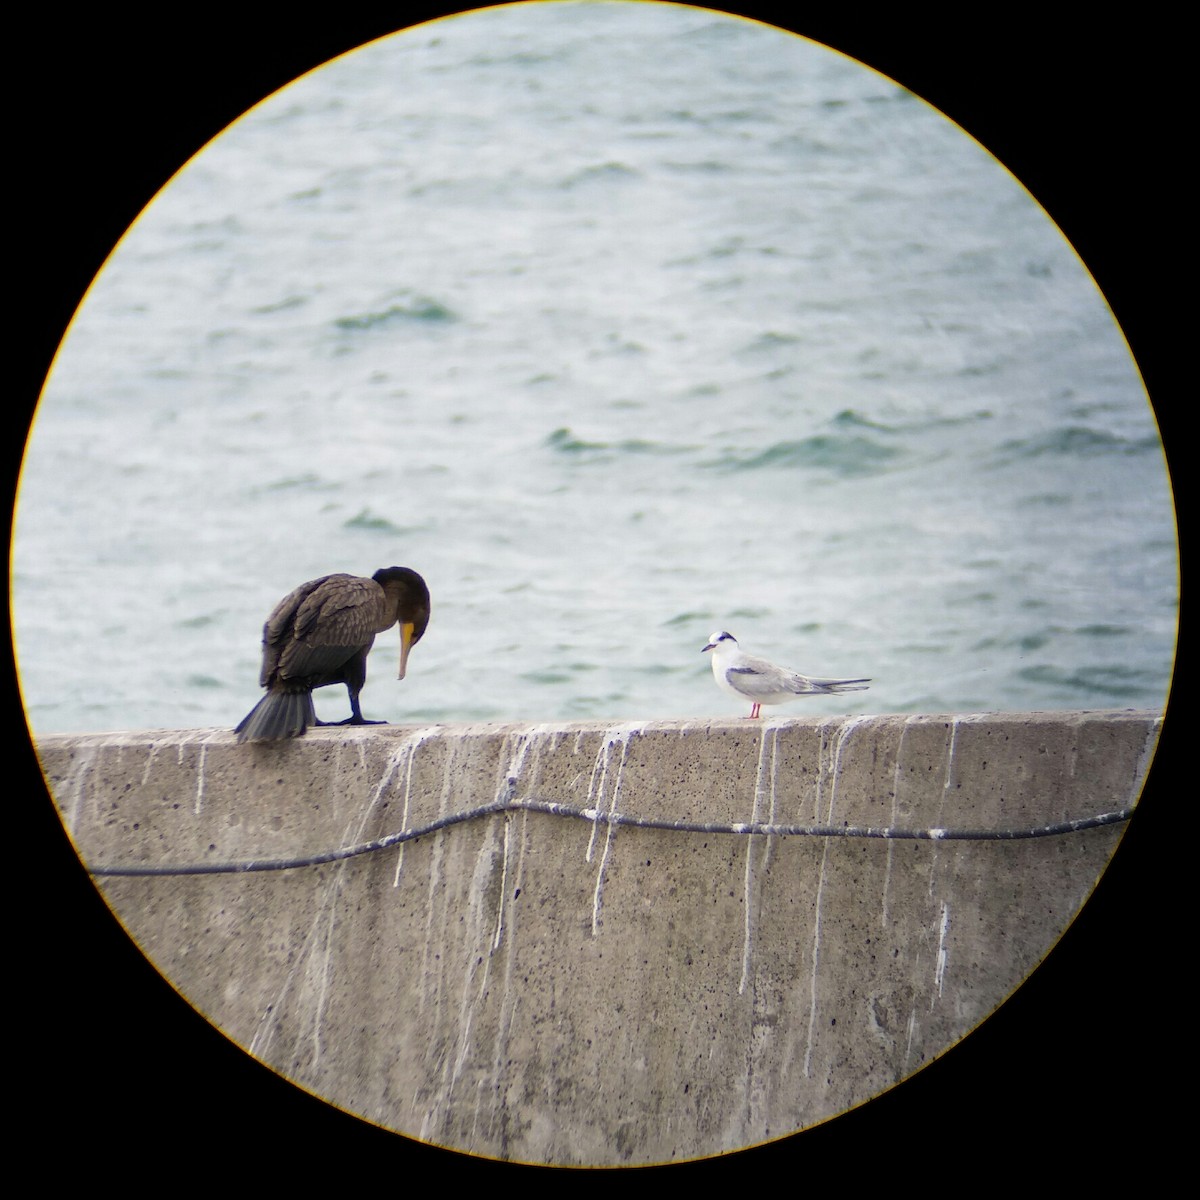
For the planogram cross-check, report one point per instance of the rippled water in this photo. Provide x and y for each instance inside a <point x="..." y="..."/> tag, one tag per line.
<point x="755" y="340"/>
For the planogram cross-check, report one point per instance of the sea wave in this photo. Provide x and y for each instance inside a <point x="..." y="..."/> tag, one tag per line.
<point x="838" y="454"/>
<point x="413" y="308"/>
<point x="1077" y="441"/>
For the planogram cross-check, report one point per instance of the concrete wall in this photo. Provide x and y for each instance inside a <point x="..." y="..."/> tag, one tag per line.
<point x="550" y="989"/>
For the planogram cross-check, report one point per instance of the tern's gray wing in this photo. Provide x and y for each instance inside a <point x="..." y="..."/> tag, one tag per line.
<point x="805" y="686"/>
<point x="757" y="678"/>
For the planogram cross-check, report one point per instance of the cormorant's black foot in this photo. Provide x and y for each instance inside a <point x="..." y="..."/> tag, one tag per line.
<point x="353" y="721"/>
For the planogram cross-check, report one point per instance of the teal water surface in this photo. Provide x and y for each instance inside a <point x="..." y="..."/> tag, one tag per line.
<point x="755" y="340"/>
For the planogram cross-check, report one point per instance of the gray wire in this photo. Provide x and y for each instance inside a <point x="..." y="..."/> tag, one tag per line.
<point x="508" y="802"/>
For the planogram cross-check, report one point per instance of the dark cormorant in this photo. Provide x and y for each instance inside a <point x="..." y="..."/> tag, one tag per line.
<point x="320" y="634"/>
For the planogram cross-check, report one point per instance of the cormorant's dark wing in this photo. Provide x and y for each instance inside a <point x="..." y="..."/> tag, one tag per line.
<point x="278" y="630"/>
<point x="321" y="625"/>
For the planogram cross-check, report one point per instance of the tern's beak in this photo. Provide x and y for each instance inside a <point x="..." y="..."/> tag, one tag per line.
<point x="406" y="641"/>
<point x="710" y="646"/>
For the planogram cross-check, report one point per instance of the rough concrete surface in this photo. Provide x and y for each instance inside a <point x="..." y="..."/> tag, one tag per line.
<point x="553" y="989"/>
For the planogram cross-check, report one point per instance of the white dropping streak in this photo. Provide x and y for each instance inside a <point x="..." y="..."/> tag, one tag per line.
<point x="891" y="847"/>
<point x="200" y="768"/>
<point x="848" y="726"/>
<point x="816" y="956"/>
<point x="314" y="966"/>
<point x="939" y="973"/>
<point x="149" y="762"/>
<point x="820" y="780"/>
<point x="1145" y="758"/>
<point x="75" y="785"/>
<point x="480" y="965"/>
<point x="951" y="760"/>
<point x="320" y="968"/>
<point x="512" y="771"/>
<point x="516" y="760"/>
<point x="408" y="770"/>
<point x="614" y="737"/>
<point x="200" y="780"/>
<point x="402" y="756"/>
<point x="1073" y="748"/>
<point x="936" y="834"/>
<point x="759" y="789"/>
<point x="764" y="781"/>
<point x="499" y="934"/>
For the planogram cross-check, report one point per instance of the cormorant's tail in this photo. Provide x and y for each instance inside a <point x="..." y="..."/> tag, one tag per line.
<point x="276" y="716"/>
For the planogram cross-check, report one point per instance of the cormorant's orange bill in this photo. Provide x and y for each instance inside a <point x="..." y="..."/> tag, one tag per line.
<point x="406" y="641"/>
